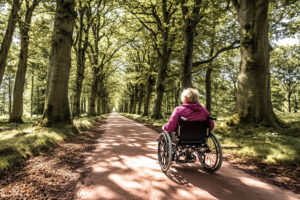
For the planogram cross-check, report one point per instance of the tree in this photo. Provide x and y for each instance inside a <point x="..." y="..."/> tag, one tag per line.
<point x="56" y="104"/>
<point x="253" y="96"/>
<point x="191" y="20"/>
<point x="6" y="42"/>
<point x="81" y="45"/>
<point x="17" y="111"/>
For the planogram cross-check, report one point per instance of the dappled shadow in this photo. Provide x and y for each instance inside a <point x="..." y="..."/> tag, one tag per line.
<point x="124" y="166"/>
<point x="53" y="175"/>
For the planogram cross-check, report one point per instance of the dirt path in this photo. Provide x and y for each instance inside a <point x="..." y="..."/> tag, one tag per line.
<point x="123" y="165"/>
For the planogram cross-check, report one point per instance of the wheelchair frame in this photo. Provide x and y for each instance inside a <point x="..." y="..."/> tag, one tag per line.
<point x="172" y="147"/>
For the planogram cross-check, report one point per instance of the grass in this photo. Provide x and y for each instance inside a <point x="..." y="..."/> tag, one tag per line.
<point x="254" y="143"/>
<point x="20" y="141"/>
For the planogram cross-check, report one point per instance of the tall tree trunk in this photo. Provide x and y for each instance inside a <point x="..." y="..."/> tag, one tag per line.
<point x="17" y="110"/>
<point x="141" y="96"/>
<point x="6" y="42"/>
<point x="56" y="104"/>
<point x="253" y="96"/>
<point x="37" y="100"/>
<point x="131" y="103"/>
<point x="177" y="94"/>
<point x="9" y="95"/>
<point x="295" y="104"/>
<point x="94" y="90"/>
<point x="135" y="99"/>
<point x="149" y="87"/>
<point x="99" y="109"/>
<point x="208" y="88"/>
<point x="160" y="80"/>
<point x="289" y="101"/>
<point x="80" y="54"/>
<point x="31" y="96"/>
<point x="190" y="22"/>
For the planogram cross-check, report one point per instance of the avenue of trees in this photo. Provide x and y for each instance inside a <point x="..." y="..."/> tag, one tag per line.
<point x="66" y="58"/>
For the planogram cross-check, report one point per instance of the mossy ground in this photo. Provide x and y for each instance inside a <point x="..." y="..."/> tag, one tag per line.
<point x="259" y="143"/>
<point x="20" y="141"/>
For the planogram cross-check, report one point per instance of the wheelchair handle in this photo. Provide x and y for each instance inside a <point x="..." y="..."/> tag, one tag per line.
<point x="212" y="117"/>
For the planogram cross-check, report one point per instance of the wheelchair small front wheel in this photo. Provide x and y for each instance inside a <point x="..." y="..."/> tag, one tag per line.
<point x="211" y="157"/>
<point x="164" y="151"/>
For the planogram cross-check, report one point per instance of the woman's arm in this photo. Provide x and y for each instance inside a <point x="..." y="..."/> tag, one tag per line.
<point x="172" y="123"/>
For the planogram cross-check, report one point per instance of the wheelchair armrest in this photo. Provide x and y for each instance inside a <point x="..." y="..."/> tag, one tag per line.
<point x="212" y="117"/>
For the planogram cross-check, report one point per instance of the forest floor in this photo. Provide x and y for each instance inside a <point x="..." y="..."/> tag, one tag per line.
<point x="262" y="152"/>
<point x="21" y="141"/>
<point x="117" y="159"/>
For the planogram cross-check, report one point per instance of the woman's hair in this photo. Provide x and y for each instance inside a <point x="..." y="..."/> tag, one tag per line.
<point x="190" y="95"/>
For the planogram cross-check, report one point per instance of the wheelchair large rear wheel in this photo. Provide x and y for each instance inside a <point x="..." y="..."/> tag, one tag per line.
<point x="164" y="151"/>
<point x="211" y="157"/>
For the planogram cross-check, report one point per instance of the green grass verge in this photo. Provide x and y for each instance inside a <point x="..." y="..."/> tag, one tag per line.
<point x="253" y="143"/>
<point x="20" y="141"/>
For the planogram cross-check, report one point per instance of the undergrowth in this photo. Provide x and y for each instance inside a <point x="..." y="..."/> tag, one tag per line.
<point x="20" y="141"/>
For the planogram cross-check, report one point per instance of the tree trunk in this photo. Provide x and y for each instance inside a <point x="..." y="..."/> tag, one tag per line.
<point x="289" y="101"/>
<point x="208" y="88"/>
<point x="17" y="110"/>
<point x="131" y="103"/>
<point x="191" y="20"/>
<point x="37" y="100"/>
<point x="141" y="96"/>
<point x="253" y="96"/>
<point x="135" y="99"/>
<point x="9" y="95"/>
<point x="94" y="90"/>
<point x="186" y="67"/>
<point x="160" y="80"/>
<point x="295" y="104"/>
<point x="149" y="87"/>
<point x="80" y="54"/>
<point x="57" y="105"/>
<point x="31" y="96"/>
<point x="6" y="42"/>
<point x="99" y="107"/>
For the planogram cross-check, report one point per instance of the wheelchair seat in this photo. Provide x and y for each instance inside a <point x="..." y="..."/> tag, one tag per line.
<point x="193" y="132"/>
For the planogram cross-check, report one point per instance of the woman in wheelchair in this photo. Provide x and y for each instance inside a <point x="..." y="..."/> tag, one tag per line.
<point x="188" y="134"/>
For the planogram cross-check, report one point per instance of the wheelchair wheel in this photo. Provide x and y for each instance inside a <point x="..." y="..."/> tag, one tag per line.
<point x="164" y="151"/>
<point x="211" y="158"/>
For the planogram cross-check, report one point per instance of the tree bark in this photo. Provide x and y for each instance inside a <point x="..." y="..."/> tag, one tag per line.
<point x="253" y="96"/>
<point x="17" y="110"/>
<point x="94" y="90"/>
<point x="57" y="105"/>
<point x="6" y="42"/>
<point x="149" y="87"/>
<point x="31" y="96"/>
<point x="289" y="101"/>
<point x="190" y="22"/>
<point x="141" y="96"/>
<point x="80" y="54"/>
<point x="160" y="81"/>
<point x="135" y="99"/>
<point x="208" y="88"/>
<point x="9" y="95"/>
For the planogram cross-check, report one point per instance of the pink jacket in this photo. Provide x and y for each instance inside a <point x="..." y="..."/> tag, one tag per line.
<point x="191" y="111"/>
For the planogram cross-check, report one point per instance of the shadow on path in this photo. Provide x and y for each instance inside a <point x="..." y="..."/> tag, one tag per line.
<point x="124" y="165"/>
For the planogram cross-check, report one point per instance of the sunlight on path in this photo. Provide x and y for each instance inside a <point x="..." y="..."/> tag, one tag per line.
<point x="124" y="166"/>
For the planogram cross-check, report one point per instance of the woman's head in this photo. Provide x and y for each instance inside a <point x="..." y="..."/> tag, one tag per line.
<point x="190" y="95"/>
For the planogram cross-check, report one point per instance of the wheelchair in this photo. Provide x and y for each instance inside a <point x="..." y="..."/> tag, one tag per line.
<point x="190" y="140"/>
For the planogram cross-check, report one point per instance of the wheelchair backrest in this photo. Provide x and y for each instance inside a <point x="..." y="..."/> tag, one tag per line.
<point x="193" y="130"/>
